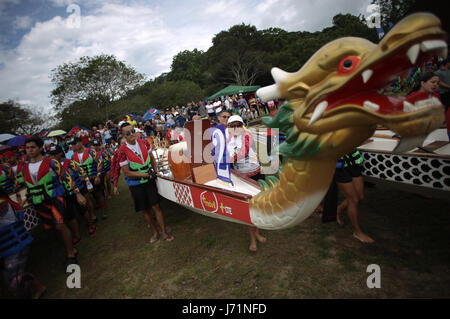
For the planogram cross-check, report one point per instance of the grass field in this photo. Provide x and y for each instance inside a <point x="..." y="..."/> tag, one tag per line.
<point x="209" y="258"/>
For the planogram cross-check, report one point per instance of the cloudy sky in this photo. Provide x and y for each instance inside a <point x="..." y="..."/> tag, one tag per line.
<point x="38" y="35"/>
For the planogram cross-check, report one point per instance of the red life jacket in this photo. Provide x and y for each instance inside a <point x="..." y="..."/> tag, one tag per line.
<point x="76" y="158"/>
<point x="131" y="156"/>
<point x="44" y="168"/>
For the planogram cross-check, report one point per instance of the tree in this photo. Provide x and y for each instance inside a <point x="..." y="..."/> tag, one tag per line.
<point x="16" y="119"/>
<point x="102" y="79"/>
<point x="237" y="56"/>
<point x="173" y="93"/>
<point x="187" y="65"/>
<point x="392" y="11"/>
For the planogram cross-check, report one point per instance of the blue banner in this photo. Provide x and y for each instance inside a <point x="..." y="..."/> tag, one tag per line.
<point x="380" y="32"/>
<point x="219" y="150"/>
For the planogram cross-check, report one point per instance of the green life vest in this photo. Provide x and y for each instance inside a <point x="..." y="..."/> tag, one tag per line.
<point x="47" y="186"/>
<point x="352" y="159"/>
<point x="135" y="164"/>
<point x="87" y="163"/>
<point x="19" y="174"/>
<point x="6" y="184"/>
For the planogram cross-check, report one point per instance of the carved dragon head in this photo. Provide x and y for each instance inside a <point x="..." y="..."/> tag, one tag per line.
<point x="334" y="100"/>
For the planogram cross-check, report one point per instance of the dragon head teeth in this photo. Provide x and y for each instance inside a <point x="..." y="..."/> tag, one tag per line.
<point x="279" y="75"/>
<point x="268" y="93"/>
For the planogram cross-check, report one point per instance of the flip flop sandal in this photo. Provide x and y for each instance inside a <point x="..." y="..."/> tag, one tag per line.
<point x="154" y="240"/>
<point x="169" y="238"/>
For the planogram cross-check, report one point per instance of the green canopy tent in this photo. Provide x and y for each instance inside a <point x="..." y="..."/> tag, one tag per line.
<point x="234" y="89"/>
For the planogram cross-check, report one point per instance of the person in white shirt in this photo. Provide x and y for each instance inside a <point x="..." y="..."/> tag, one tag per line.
<point x="239" y="147"/>
<point x="210" y="110"/>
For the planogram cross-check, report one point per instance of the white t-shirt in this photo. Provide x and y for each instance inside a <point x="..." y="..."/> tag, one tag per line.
<point x="80" y="155"/>
<point x="209" y="108"/>
<point x="14" y="168"/>
<point x="34" y="169"/>
<point x="135" y="149"/>
<point x="243" y="165"/>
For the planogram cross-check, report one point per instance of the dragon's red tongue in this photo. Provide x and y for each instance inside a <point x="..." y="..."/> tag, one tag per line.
<point x="372" y="101"/>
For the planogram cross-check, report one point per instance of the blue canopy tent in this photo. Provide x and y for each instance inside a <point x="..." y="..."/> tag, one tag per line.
<point x="150" y="114"/>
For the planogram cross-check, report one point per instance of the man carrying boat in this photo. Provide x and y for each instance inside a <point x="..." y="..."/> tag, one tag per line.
<point x="88" y="160"/>
<point x="79" y="177"/>
<point x="44" y="180"/>
<point x="139" y="167"/>
<point x="16" y="166"/>
<point x="103" y="155"/>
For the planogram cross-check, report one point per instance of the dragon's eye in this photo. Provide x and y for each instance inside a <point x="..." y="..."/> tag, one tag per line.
<point x="348" y="64"/>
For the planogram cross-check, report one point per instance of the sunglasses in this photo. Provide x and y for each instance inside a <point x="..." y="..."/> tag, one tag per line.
<point x="225" y="116"/>
<point x="235" y="125"/>
<point x="130" y="132"/>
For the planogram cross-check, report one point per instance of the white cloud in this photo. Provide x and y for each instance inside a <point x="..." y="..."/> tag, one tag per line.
<point x="137" y="35"/>
<point x="305" y="15"/>
<point x="145" y="35"/>
<point x="22" y="22"/>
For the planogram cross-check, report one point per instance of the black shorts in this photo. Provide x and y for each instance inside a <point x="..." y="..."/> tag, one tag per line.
<point x="100" y="188"/>
<point x="345" y="174"/>
<point x="145" y="196"/>
<point x="72" y="205"/>
<point x="53" y="212"/>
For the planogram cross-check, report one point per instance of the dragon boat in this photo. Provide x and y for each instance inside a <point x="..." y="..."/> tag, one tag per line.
<point x="425" y="169"/>
<point x="333" y="106"/>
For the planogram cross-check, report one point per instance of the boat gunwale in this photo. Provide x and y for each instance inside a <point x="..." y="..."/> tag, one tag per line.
<point x="235" y="195"/>
<point x="414" y="154"/>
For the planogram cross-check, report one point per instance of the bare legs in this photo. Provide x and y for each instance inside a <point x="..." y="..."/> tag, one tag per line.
<point x="151" y="223"/>
<point x="254" y="237"/>
<point x="353" y="192"/>
<point x="101" y="201"/>
<point x="108" y="184"/>
<point x="65" y="236"/>
<point x="73" y="224"/>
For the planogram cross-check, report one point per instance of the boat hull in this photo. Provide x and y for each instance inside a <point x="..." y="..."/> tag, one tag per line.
<point x="206" y="201"/>
<point x="424" y="170"/>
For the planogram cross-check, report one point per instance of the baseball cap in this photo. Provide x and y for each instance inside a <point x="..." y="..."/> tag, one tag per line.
<point x="96" y="143"/>
<point x="55" y="149"/>
<point x="235" y="118"/>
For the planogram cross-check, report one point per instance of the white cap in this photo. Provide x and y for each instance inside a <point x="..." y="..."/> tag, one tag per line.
<point x="235" y="118"/>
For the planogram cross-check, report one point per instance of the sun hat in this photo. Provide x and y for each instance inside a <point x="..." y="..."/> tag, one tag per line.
<point x="235" y="118"/>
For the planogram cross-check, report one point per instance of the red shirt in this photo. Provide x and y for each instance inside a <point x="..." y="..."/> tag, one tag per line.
<point x="420" y="95"/>
<point x="84" y="139"/>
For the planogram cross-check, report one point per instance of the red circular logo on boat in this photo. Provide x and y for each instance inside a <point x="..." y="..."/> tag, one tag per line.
<point x="209" y="202"/>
